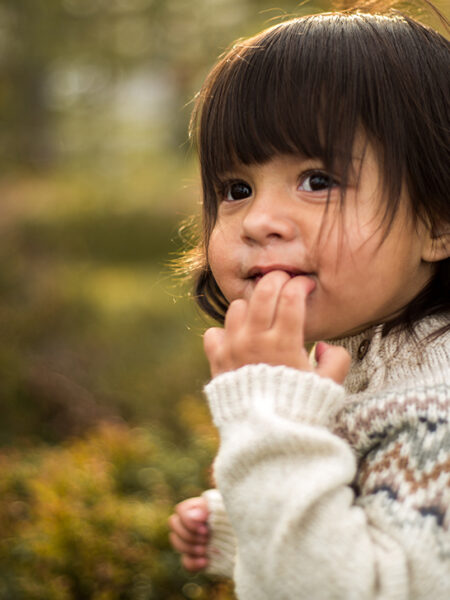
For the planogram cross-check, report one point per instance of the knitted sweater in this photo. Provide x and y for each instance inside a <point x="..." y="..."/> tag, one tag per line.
<point x="332" y="492"/>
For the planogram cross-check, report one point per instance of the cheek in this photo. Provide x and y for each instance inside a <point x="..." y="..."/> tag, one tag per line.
<point x="344" y="256"/>
<point x="217" y="256"/>
<point x="224" y="261"/>
<point x="214" y="251"/>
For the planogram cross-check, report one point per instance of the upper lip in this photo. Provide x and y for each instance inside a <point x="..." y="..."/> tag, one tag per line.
<point x="263" y="269"/>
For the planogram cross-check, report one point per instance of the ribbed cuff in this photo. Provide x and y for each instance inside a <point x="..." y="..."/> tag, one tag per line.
<point x="222" y="544"/>
<point x="296" y="395"/>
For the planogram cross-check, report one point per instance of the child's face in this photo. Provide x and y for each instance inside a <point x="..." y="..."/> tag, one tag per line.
<point x="273" y="217"/>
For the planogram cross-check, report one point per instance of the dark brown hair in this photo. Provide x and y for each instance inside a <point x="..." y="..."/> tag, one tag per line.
<point x="306" y="87"/>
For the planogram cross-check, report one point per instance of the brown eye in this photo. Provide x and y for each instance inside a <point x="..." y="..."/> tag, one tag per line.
<point x="317" y="181"/>
<point x="238" y="190"/>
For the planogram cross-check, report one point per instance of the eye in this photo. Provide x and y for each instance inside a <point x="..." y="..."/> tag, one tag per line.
<point x="316" y="181"/>
<point x="237" y="190"/>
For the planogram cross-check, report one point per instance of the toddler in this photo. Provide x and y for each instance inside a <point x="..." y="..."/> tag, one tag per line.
<point x="324" y="147"/>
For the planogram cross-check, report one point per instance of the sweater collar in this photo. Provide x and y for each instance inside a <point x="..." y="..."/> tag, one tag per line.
<point x="376" y="357"/>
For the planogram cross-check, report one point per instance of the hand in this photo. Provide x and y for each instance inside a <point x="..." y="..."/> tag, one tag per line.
<point x="269" y="328"/>
<point x="189" y="533"/>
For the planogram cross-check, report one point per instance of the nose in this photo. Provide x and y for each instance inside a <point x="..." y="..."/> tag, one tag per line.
<point x="267" y="219"/>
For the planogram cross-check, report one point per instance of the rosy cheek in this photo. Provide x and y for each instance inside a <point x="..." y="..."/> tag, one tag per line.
<point x="214" y="251"/>
<point x="217" y="267"/>
<point x="217" y="264"/>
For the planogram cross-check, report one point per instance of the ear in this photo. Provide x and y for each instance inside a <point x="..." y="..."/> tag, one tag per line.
<point x="436" y="246"/>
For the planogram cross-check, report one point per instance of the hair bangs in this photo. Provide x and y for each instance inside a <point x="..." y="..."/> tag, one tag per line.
<point x="287" y="91"/>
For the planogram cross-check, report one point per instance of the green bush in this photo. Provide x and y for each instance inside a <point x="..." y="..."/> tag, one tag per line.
<point x="88" y="519"/>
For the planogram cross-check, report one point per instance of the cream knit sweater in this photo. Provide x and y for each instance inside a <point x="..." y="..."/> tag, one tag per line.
<point x="331" y="492"/>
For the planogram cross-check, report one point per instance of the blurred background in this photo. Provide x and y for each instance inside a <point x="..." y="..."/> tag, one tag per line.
<point x="103" y="427"/>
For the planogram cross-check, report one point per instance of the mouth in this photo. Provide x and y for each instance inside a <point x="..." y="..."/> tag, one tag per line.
<point x="256" y="273"/>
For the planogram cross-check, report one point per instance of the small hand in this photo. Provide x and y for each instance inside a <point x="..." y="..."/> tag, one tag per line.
<point x="190" y="534"/>
<point x="269" y="328"/>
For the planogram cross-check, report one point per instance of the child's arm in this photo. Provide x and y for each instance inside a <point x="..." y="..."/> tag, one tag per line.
<point x="286" y="478"/>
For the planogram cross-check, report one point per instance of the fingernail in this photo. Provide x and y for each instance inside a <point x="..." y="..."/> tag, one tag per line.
<point x="197" y="514"/>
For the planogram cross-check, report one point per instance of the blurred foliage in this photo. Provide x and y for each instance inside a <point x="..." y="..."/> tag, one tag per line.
<point x="69" y="67"/>
<point x="103" y="426"/>
<point x="88" y="520"/>
<point x="91" y="322"/>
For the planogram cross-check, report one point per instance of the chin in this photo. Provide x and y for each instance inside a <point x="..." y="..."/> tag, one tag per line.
<point x="318" y="334"/>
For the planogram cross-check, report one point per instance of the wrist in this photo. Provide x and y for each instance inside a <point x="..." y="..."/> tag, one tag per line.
<point x="280" y="390"/>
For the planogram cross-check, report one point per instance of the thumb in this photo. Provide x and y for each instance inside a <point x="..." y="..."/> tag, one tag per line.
<point x="332" y="362"/>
